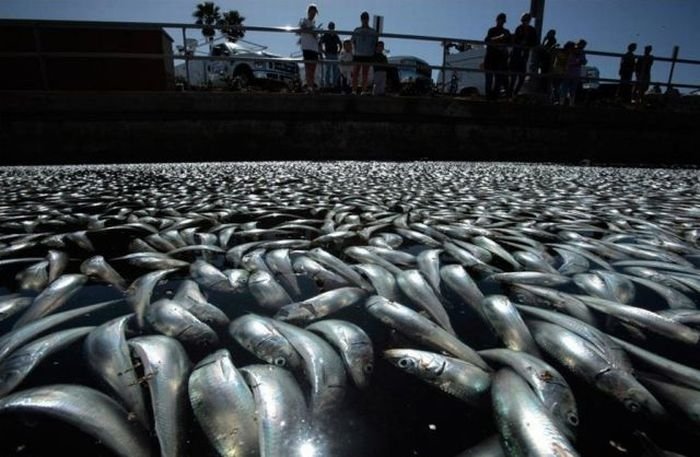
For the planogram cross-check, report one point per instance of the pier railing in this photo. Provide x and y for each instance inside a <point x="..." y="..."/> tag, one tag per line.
<point x="181" y="41"/>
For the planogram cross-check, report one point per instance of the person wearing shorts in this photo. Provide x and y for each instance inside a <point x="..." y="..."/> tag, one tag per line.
<point x="308" y="40"/>
<point x="364" y="44"/>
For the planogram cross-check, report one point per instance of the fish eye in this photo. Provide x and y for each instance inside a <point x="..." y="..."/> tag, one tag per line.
<point x="632" y="405"/>
<point x="369" y="368"/>
<point x="280" y="361"/>
<point x="405" y="362"/>
<point x="572" y="418"/>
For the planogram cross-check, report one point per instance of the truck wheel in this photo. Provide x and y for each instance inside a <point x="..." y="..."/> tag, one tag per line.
<point x="244" y="76"/>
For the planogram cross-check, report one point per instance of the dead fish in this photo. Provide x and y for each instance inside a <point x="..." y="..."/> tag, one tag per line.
<point x="166" y="370"/>
<point x="321" y="305"/>
<point x="13" y="304"/>
<point x="107" y="354"/>
<point x="87" y="409"/>
<point x="52" y="298"/>
<point x="138" y="295"/>
<point x="153" y="261"/>
<point x="171" y="319"/>
<point x="34" y="277"/>
<point x="191" y="298"/>
<point x="22" y="361"/>
<point x="98" y="267"/>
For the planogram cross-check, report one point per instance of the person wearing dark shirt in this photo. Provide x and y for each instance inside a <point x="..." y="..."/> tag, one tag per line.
<point x="330" y="46"/>
<point x="496" y="58"/>
<point x="627" y="61"/>
<point x="524" y="39"/>
<point x="642" y="72"/>
<point x="380" y="70"/>
<point x="545" y="60"/>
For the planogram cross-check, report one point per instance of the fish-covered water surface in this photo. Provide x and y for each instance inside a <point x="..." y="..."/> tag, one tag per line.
<point x="346" y="309"/>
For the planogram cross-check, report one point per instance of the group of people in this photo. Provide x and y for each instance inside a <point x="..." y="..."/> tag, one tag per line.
<point x="640" y="68"/>
<point x="347" y="62"/>
<point x="508" y="54"/>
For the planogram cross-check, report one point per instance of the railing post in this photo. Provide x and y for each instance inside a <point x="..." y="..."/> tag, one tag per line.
<point x="187" y="56"/>
<point x="674" y="57"/>
<point x="40" y="55"/>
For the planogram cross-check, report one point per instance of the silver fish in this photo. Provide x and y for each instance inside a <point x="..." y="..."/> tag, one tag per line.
<point x="611" y="287"/>
<point x="534" y="278"/>
<point x="166" y="369"/>
<point x="549" y="386"/>
<point x="18" y="337"/>
<point x="153" y="261"/>
<point x="87" y="409"/>
<point x="453" y="376"/>
<point x="678" y="372"/>
<point x="171" y="319"/>
<point x="645" y="319"/>
<point x="268" y="293"/>
<point x="58" y="261"/>
<point x="523" y="422"/>
<point x="364" y="255"/>
<point x="98" y="267"/>
<point x="52" y="298"/>
<point x="321" y="305"/>
<point x="354" y="345"/>
<point x="505" y="320"/>
<point x="674" y="298"/>
<point x="107" y="354"/>
<point x="545" y="297"/>
<point x="34" y="277"/>
<point x="323" y="368"/>
<point x="259" y="337"/>
<point x="383" y="282"/>
<point x="282" y="414"/>
<point x="190" y="297"/>
<point x="138" y="295"/>
<point x="13" y="304"/>
<point x="461" y="283"/>
<point x="421" y="329"/>
<point x="338" y="266"/>
<point x="583" y="360"/>
<point x="429" y="266"/>
<point x="224" y="406"/>
<point x="21" y="362"/>
<point x="323" y="277"/>
<point x="496" y="249"/>
<point x="280" y="264"/>
<point x="418" y="291"/>
<point x="238" y="279"/>
<point x="210" y="277"/>
<point x="571" y="262"/>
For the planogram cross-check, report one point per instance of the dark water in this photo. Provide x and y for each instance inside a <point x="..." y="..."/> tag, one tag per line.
<point x="398" y="414"/>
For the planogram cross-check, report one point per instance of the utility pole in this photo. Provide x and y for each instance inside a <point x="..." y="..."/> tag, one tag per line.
<point x="537" y="12"/>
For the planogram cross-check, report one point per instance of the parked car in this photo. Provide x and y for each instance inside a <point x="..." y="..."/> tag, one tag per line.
<point x="241" y="66"/>
<point x="411" y="76"/>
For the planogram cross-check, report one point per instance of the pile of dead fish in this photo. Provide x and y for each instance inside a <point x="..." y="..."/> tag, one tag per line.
<point x="517" y="290"/>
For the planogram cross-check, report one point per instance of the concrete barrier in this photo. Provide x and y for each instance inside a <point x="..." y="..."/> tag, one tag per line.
<point x="60" y="127"/>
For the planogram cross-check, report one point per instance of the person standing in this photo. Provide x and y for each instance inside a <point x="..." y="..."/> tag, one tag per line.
<point x="642" y="72"/>
<point x="380" y="70"/>
<point x="524" y="39"/>
<point x="330" y="46"/>
<point x="545" y="59"/>
<point x="627" y="64"/>
<point x="576" y="61"/>
<point x="346" y="67"/>
<point x="308" y="40"/>
<point x="364" y="44"/>
<point x="496" y="58"/>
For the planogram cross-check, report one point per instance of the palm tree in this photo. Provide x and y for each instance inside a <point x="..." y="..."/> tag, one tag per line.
<point x="230" y="24"/>
<point x="209" y="15"/>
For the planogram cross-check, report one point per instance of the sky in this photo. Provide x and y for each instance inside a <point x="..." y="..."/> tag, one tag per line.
<point x="607" y="25"/>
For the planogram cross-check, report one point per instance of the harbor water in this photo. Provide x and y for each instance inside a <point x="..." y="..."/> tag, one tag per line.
<point x="620" y="243"/>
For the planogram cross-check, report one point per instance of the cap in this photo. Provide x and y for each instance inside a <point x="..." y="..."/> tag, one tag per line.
<point x="312" y="6"/>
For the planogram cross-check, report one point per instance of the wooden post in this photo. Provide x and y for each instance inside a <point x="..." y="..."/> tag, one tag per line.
<point x="537" y="12"/>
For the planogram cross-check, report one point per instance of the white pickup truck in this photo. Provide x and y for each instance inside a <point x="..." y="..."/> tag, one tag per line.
<point x="237" y="65"/>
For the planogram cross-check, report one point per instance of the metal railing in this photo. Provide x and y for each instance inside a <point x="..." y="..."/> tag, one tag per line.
<point x="184" y="28"/>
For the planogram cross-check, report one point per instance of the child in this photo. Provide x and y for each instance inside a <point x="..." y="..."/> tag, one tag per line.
<point x="380" y="69"/>
<point x="345" y="64"/>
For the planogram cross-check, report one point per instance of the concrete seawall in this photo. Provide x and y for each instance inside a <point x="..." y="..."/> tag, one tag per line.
<point x="126" y="127"/>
